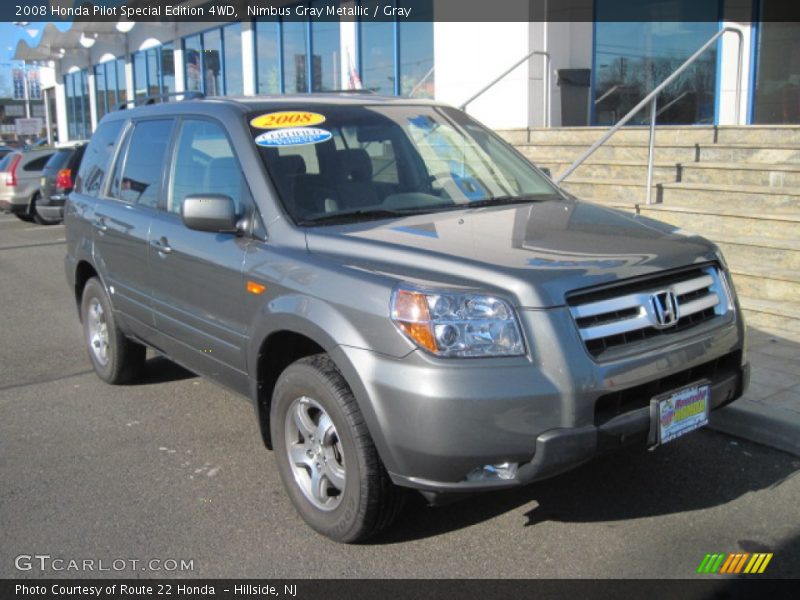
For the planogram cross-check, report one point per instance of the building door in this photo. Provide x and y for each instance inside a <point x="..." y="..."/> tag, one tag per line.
<point x="634" y="51"/>
<point x="777" y="82"/>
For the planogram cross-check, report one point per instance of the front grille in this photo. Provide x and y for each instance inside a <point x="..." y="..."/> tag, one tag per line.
<point x="616" y="403"/>
<point x="630" y="312"/>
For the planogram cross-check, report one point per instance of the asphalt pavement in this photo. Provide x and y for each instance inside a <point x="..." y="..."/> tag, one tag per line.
<point x="173" y="469"/>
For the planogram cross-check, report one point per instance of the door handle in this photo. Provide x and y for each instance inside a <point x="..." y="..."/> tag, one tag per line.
<point x="162" y="245"/>
<point x="100" y="223"/>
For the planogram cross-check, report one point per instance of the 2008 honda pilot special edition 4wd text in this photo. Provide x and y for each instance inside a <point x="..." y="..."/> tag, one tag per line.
<point x="406" y="300"/>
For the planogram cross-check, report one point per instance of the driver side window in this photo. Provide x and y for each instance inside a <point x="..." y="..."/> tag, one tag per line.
<point x="205" y="163"/>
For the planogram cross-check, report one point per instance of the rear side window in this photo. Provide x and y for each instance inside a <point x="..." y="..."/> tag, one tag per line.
<point x="6" y="160"/>
<point x="37" y="164"/>
<point x="97" y="159"/>
<point x="144" y="164"/>
<point x="204" y="164"/>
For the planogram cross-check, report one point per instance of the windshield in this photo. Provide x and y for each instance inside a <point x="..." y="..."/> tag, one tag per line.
<point x="345" y="163"/>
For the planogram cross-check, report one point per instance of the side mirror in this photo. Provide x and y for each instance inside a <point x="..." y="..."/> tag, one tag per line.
<point x="546" y="171"/>
<point x="209" y="212"/>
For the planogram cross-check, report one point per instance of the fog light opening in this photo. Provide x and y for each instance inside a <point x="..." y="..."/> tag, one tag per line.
<point x="502" y="471"/>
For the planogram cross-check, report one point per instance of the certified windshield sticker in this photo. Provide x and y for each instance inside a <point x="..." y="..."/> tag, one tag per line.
<point x="287" y="118"/>
<point x="295" y="136"/>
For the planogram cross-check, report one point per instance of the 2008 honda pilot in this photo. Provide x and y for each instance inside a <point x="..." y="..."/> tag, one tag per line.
<point x="407" y="302"/>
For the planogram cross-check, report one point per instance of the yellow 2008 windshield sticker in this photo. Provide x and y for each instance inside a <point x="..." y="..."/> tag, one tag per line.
<point x="287" y="118"/>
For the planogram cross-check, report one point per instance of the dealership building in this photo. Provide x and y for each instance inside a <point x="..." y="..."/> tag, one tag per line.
<point x="579" y="72"/>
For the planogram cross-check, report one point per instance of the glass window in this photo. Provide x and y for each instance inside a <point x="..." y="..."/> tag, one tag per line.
<point x="144" y="164"/>
<point x="268" y="74"/>
<point x="633" y="57"/>
<point x="416" y="50"/>
<point x="140" y="74"/>
<point x="122" y="85"/>
<point x="212" y="63"/>
<point x="325" y="47"/>
<point x="167" y="68"/>
<point x="777" y="93"/>
<point x="397" y="57"/>
<point x="204" y="164"/>
<point x="109" y="80"/>
<point x="210" y="71"/>
<point x="377" y="41"/>
<point x="294" y="57"/>
<point x="97" y="158"/>
<point x="77" y="94"/>
<point x="192" y="52"/>
<point x="232" y="43"/>
<point x="101" y="94"/>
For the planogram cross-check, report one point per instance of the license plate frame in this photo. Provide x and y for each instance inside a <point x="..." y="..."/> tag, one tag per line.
<point x="694" y="399"/>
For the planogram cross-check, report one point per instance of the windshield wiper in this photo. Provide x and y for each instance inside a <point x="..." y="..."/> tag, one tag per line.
<point x="505" y="200"/>
<point x="365" y="214"/>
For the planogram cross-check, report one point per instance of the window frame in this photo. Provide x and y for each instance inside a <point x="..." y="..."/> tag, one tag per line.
<point x="222" y="59"/>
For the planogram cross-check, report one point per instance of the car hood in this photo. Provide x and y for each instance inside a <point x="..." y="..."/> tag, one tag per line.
<point x="533" y="253"/>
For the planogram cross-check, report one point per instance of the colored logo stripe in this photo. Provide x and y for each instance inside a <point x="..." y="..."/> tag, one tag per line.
<point x="735" y="563"/>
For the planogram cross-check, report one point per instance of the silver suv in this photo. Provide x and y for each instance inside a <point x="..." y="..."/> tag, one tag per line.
<point x="408" y="303"/>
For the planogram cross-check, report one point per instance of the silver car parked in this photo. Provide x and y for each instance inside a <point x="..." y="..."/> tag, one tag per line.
<point x="20" y="174"/>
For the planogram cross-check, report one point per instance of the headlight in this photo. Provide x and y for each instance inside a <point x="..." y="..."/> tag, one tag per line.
<point x="461" y="324"/>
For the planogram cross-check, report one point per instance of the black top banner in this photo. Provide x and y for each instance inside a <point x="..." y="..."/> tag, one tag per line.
<point x="398" y="10"/>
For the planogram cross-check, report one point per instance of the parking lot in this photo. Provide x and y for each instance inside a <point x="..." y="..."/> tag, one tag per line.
<point x="173" y="469"/>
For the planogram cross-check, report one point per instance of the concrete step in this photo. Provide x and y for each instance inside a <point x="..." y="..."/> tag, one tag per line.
<point x="621" y="170"/>
<point x="665" y="134"/>
<point x="543" y="152"/>
<point x="780" y="254"/>
<point x="720" y="222"/>
<point x="748" y="174"/>
<point x="780" y="318"/>
<point x="779" y="285"/>
<point x="622" y="190"/>
<point x="738" y="198"/>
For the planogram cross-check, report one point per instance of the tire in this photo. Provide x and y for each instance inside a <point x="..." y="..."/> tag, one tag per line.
<point x="24" y="217"/>
<point x="34" y="212"/>
<point x="115" y="358"/>
<point x="354" y="498"/>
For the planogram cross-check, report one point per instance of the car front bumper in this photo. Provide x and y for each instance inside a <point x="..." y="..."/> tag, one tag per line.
<point x="434" y="421"/>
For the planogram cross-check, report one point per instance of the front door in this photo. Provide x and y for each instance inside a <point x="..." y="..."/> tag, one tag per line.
<point x="198" y="287"/>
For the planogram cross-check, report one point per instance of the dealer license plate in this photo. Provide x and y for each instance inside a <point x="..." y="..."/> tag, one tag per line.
<point x="676" y="413"/>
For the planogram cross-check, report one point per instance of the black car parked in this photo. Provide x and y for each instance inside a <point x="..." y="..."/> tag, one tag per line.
<point x="58" y="178"/>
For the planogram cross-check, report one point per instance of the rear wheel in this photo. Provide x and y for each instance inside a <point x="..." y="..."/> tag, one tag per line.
<point x="115" y="358"/>
<point x="34" y="212"/>
<point x="325" y="455"/>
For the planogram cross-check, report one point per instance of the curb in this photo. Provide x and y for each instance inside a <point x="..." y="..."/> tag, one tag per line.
<point x="759" y="423"/>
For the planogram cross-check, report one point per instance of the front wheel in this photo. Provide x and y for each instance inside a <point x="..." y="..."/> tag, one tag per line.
<point x="326" y="458"/>
<point x="115" y="358"/>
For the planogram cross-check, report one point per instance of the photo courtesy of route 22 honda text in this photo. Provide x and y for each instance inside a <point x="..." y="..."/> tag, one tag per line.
<point x="408" y="302"/>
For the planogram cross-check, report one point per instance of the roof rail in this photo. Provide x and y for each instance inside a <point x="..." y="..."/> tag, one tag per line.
<point x="187" y="95"/>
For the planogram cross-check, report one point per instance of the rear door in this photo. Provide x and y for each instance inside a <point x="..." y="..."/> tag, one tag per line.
<point x="198" y="286"/>
<point x="122" y="221"/>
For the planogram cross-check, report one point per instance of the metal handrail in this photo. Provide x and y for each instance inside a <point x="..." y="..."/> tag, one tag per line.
<point x="651" y="99"/>
<point x="545" y="87"/>
<point x="420" y="82"/>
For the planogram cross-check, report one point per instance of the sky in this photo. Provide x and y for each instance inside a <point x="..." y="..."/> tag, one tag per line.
<point x="10" y="34"/>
